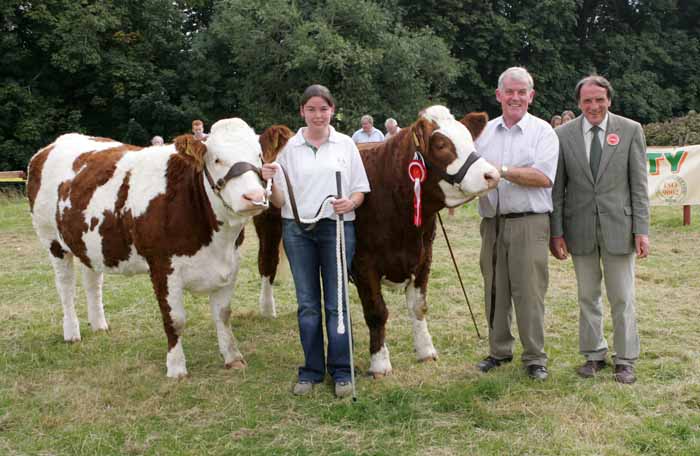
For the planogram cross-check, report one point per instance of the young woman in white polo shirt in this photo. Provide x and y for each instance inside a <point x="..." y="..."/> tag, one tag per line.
<point x="311" y="159"/>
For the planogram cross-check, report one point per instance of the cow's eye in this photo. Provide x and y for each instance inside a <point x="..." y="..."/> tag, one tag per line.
<point x="217" y="161"/>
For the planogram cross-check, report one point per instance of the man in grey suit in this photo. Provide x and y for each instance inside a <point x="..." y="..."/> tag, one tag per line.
<point x="601" y="216"/>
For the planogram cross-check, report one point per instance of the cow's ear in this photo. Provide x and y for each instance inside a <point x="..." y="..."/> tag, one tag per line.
<point x="422" y="130"/>
<point x="192" y="149"/>
<point x="475" y="123"/>
<point x="273" y="140"/>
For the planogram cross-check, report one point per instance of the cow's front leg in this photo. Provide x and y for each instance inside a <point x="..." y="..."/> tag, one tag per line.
<point x="417" y="309"/>
<point x="220" y="302"/>
<point x="92" y="282"/>
<point x="167" y="286"/>
<point x="375" y="312"/>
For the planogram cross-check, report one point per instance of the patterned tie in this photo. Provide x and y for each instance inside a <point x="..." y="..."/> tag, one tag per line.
<point x="596" y="151"/>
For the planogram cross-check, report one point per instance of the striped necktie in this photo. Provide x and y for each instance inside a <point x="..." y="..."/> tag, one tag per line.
<point x="596" y="151"/>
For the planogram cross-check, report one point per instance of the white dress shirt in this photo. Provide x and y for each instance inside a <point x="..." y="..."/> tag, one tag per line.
<point x="531" y="143"/>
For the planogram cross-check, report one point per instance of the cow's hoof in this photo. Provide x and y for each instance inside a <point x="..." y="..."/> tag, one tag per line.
<point x="236" y="364"/>
<point x="99" y="327"/>
<point x="72" y="340"/>
<point x="379" y="375"/>
<point x="177" y="374"/>
<point x="428" y="359"/>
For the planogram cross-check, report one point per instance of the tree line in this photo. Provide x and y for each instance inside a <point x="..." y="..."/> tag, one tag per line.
<point x="132" y="69"/>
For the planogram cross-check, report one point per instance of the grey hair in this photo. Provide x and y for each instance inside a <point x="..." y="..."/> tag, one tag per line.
<point x="368" y="118"/>
<point x="390" y="121"/>
<point x="518" y="74"/>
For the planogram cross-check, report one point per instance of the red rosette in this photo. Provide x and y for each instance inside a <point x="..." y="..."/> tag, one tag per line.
<point x="613" y="139"/>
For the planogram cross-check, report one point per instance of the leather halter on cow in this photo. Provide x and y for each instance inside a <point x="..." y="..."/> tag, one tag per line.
<point x="389" y="247"/>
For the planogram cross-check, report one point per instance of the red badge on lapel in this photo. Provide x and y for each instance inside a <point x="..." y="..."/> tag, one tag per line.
<point x="613" y="139"/>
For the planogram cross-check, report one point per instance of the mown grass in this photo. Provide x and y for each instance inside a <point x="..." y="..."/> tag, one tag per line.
<point x="109" y="395"/>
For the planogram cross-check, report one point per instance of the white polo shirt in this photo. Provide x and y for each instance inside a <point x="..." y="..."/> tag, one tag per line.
<point x="312" y="174"/>
<point x="531" y="143"/>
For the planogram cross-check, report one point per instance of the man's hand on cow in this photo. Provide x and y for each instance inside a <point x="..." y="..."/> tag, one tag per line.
<point x="641" y="245"/>
<point x="343" y="205"/>
<point x="269" y="170"/>
<point x="557" y="245"/>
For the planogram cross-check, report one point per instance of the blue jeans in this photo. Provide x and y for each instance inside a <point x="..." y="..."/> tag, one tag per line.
<point x="312" y="258"/>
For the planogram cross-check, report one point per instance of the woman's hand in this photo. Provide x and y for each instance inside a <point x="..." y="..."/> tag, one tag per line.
<point x="343" y="205"/>
<point x="268" y="171"/>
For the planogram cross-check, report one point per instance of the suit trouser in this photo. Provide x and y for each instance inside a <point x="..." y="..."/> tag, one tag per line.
<point x="618" y="273"/>
<point x="514" y="255"/>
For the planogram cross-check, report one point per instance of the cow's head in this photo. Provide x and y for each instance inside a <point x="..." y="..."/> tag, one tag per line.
<point x="273" y="140"/>
<point x="449" y="149"/>
<point x="230" y="160"/>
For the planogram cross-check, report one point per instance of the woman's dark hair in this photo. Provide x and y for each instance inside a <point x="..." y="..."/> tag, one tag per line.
<point x="317" y="90"/>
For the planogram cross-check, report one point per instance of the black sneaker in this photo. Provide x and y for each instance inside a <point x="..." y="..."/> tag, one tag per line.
<point x="490" y="362"/>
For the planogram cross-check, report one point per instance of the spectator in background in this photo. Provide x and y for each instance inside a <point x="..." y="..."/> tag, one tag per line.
<point x="198" y="130"/>
<point x="367" y="133"/>
<point x="556" y="121"/>
<point x="567" y="116"/>
<point x="392" y="127"/>
<point x="157" y="141"/>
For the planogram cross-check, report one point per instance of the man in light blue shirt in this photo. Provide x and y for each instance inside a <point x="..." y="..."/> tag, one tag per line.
<point x="515" y="224"/>
<point x="367" y="133"/>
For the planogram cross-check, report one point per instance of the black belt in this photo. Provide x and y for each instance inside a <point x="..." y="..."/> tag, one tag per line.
<point x="518" y="214"/>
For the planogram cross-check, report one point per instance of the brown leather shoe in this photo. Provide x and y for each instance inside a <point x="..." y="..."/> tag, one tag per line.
<point x="590" y="368"/>
<point x="624" y="374"/>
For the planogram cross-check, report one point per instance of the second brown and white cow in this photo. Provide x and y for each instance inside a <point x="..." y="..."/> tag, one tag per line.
<point x="390" y="249"/>
<point x="173" y="211"/>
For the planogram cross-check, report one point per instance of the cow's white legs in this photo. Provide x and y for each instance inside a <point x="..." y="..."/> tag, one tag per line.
<point x="220" y="302"/>
<point x="380" y="364"/>
<point x="417" y="307"/>
<point x="64" y="275"/>
<point x="267" y="298"/>
<point x="92" y="282"/>
<point x="176" y="363"/>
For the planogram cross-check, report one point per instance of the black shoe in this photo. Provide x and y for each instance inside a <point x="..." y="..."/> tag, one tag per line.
<point x="490" y="362"/>
<point x="624" y="374"/>
<point x="590" y="368"/>
<point x="537" y="372"/>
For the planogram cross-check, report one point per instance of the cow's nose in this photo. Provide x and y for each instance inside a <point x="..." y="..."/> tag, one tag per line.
<point x="255" y="196"/>
<point x="492" y="178"/>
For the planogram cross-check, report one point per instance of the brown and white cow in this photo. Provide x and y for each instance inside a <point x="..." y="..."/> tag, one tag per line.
<point x="390" y="249"/>
<point x="173" y="211"/>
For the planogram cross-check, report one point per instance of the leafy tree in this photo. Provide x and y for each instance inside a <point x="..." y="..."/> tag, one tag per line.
<point x="260" y="57"/>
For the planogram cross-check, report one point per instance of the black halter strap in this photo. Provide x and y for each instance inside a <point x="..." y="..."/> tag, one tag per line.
<point x="236" y="170"/>
<point x="451" y="178"/>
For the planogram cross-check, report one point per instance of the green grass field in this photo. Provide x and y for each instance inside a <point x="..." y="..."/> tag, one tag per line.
<point x="108" y="395"/>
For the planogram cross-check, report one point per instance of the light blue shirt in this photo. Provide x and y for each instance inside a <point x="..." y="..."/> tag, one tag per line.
<point x="531" y="143"/>
<point x="361" y="137"/>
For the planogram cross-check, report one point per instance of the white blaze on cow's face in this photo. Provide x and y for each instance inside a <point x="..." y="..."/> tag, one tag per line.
<point x="481" y="176"/>
<point x="232" y="141"/>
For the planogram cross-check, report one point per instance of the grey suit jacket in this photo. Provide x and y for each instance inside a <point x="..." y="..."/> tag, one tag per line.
<point x="617" y="196"/>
